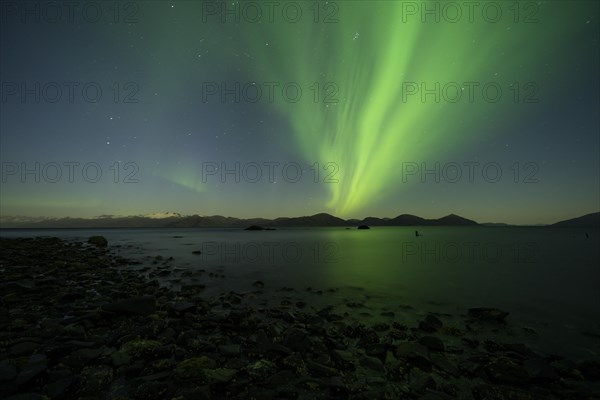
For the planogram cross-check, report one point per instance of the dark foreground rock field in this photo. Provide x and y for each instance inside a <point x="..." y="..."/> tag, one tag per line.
<point x="77" y="321"/>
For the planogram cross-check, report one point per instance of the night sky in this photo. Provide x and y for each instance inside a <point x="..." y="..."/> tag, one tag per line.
<point x="325" y="107"/>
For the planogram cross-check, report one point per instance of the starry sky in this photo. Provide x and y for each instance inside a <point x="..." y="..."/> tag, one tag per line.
<point x="266" y="109"/>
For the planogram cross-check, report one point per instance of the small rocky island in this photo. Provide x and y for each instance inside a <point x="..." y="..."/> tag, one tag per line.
<point x="258" y="228"/>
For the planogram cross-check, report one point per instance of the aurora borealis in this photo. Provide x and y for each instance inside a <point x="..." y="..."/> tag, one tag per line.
<point x="387" y="89"/>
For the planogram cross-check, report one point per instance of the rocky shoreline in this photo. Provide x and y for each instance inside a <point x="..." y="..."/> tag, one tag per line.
<point x="75" y="322"/>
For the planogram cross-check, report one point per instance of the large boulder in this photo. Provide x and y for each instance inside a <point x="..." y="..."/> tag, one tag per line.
<point x="414" y="352"/>
<point x="297" y="340"/>
<point x="98" y="241"/>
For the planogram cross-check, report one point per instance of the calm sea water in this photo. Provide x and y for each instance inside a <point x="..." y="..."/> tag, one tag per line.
<point x="547" y="278"/>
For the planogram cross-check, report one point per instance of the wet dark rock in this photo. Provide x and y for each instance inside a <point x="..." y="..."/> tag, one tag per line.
<point x="144" y="349"/>
<point x="376" y="350"/>
<point x="289" y="317"/>
<point x="539" y="369"/>
<point x="334" y="317"/>
<point x="472" y="343"/>
<point x="518" y="350"/>
<point x="398" y="334"/>
<point x="70" y="297"/>
<point x="98" y="241"/>
<point x="472" y="365"/>
<point x="193" y="288"/>
<point x="143" y="305"/>
<point x="88" y="355"/>
<point x="96" y="379"/>
<point x="30" y="371"/>
<point x="373" y="363"/>
<point x="381" y="327"/>
<point x="261" y="369"/>
<point x="355" y="304"/>
<point x="342" y="356"/>
<point x="181" y="307"/>
<point x="436" y="395"/>
<point x="23" y="349"/>
<point x="295" y="362"/>
<point x="320" y="369"/>
<point x="420" y="381"/>
<point x="151" y="391"/>
<point x="442" y="364"/>
<point x="219" y="375"/>
<point x="506" y="371"/>
<point x="297" y="340"/>
<point x="27" y="396"/>
<point x="60" y="387"/>
<point x="566" y="368"/>
<point x="337" y="388"/>
<point x="193" y="368"/>
<point x="431" y="323"/>
<point x="590" y="370"/>
<point x="492" y="347"/>
<point x="280" y="379"/>
<point x="265" y="345"/>
<point x="488" y="314"/>
<point x="414" y="352"/>
<point x="7" y="371"/>
<point x="432" y="343"/>
<point x="368" y="338"/>
<point x="230" y="350"/>
<point x="490" y="392"/>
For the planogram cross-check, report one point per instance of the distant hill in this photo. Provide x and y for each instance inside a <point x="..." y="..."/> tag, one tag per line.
<point x="174" y="220"/>
<point x="413" y="220"/>
<point x="454" y="220"/>
<point x="409" y="220"/>
<point x="322" y="219"/>
<point x="592" y="220"/>
<point x="214" y="221"/>
<point x="100" y="222"/>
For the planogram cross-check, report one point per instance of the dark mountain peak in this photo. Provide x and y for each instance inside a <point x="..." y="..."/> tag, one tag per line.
<point x="322" y="215"/>
<point x="408" y="220"/>
<point x="591" y="220"/>
<point x="174" y="220"/>
<point x="453" y="219"/>
<point x="321" y="219"/>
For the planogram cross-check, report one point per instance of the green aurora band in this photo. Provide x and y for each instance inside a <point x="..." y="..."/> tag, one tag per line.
<point x="373" y="57"/>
